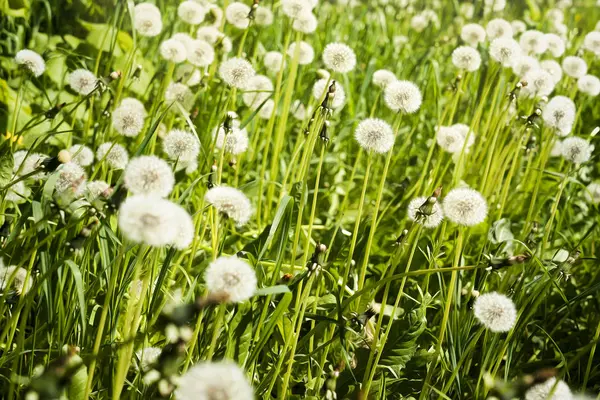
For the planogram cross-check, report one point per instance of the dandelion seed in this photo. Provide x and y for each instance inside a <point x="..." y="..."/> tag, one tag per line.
<point x="147" y="357"/>
<point x="148" y="220"/>
<point x="173" y="50"/>
<point x="16" y="277"/>
<point x="466" y="58"/>
<point x="553" y="68"/>
<point x="263" y="17"/>
<point x="591" y="42"/>
<point x="556" y="46"/>
<point x="592" y="193"/>
<point x="576" y="150"/>
<point x="114" y="154"/>
<point x="403" y="96"/>
<point x="506" y="51"/>
<point x="236" y="72"/>
<point x="71" y="180"/>
<point x="237" y="15"/>
<point x="541" y="391"/>
<point x="574" y="67"/>
<point x="128" y="120"/>
<point x="322" y="86"/>
<point x="295" y="8"/>
<point x="147" y="19"/>
<point x="235" y="142"/>
<point x="589" y="84"/>
<point x="258" y="90"/>
<point x="495" y="311"/>
<point x="559" y="114"/>
<point x="374" y="134"/>
<point x="533" y="42"/>
<point x="82" y="81"/>
<point x="306" y="54"/>
<point x="432" y="218"/>
<point x="200" y="53"/>
<point x="191" y="12"/>
<point x="383" y="77"/>
<point x="81" y="155"/>
<point x="180" y="93"/>
<point x="231" y="202"/>
<point x="273" y="61"/>
<point x="31" y="61"/>
<point x="149" y="175"/>
<point x="472" y="34"/>
<point x="181" y="145"/>
<point x="305" y="23"/>
<point x="498" y="28"/>
<point x="465" y="206"/>
<point x="221" y="380"/>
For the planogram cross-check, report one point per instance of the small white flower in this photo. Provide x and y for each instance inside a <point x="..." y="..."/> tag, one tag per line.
<point x="374" y="134"/>
<point x="16" y="277"/>
<point x="273" y="61"/>
<point x="237" y="15"/>
<point x="180" y="93"/>
<point x="541" y="391"/>
<point x="147" y="19"/>
<point x="321" y="87"/>
<point x="306" y="53"/>
<point x="81" y="155"/>
<point x="591" y="42"/>
<point x="221" y="380"/>
<point x="465" y="206"/>
<point x="128" y="119"/>
<point x="173" y="50"/>
<point x="146" y="358"/>
<point x="149" y="175"/>
<point x="113" y="154"/>
<point x="31" y="61"/>
<point x="559" y="114"/>
<point x="181" y="145"/>
<point x="506" y="51"/>
<point x="589" y="84"/>
<point x="472" y="34"/>
<point x="403" y="96"/>
<point x="575" y="67"/>
<point x="467" y="58"/>
<point x="525" y="64"/>
<point x="295" y="8"/>
<point x="235" y="142"/>
<point x="148" y="220"/>
<point x="383" y="77"/>
<point x="231" y="202"/>
<point x="236" y="72"/>
<point x="305" y="23"/>
<point x="429" y="219"/>
<point x="576" y="150"/>
<point x="339" y="57"/>
<point x="533" y="42"/>
<point x="495" y="311"/>
<point x="592" y="193"/>
<point x="553" y="68"/>
<point x="263" y="16"/>
<point x="539" y="83"/>
<point x="232" y="277"/>
<point x="258" y="90"/>
<point x="499" y="28"/>
<point x="82" y="81"/>
<point x="556" y="46"/>
<point x="71" y="179"/>
<point x="191" y="12"/>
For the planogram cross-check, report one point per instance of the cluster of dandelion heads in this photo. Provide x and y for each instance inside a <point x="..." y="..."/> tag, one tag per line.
<point x="31" y="62"/>
<point x="173" y="50"/>
<point x="403" y="96"/>
<point x="113" y="154"/>
<point x="231" y="202"/>
<point x="191" y="12"/>
<point x="466" y="58"/>
<point x="549" y="390"/>
<point x="147" y="19"/>
<point x="339" y="57"/>
<point x="465" y="206"/>
<point x="128" y="119"/>
<point x="425" y="211"/>
<point x="181" y="145"/>
<point x="214" y="380"/>
<point x="149" y="175"/>
<point x="559" y="114"/>
<point x="383" y="77"/>
<point x="576" y="150"/>
<point x="236" y="72"/>
<point x="234" y="142"/>
<point x="237" y="15"/>
<point x="374" y="134"/>
<point x="498" y="28"/>
<point x="495" y="311"/>
<point x="258" y="89"/>
<point x="149" y="220"/>
<point x="71" y="179"/>
<point x="179" y="93"/>
<point x="232" y="278"/>
<point x="506" y="51"/>
<point x="81" y="155"/>
<point x="575" y="67"/>
<point x="15" y="278"/>
<point x="472" y="34"/>
<point x="321" y="87"/>
<point x="82" y="81"/>
<point x="589" y="84"/>
<point x="306" y="53"/>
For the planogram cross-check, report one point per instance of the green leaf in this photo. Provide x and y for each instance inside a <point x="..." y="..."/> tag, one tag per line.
<point x="277" y="289"/>
<point x="77" y="384"/>
<point x="6" y="168"/>
<point x="80" y="293"/>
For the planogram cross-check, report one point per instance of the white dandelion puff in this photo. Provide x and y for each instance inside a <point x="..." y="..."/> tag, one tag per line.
<point x="576" y="150"/>
<point x="539" y="83"/>
<point x="465" y="206"/>
<point x="97" y="189"/>
<point x="18" y="193"/>
<point x="128" y="120"/>
<point x="305" y="23"/>
<point x="31" y="61"/>
<point x="274" y="61"/>
<point x="235" y="142"/>
<point x="180" y="93"/>
<point x="322" y="86"/>
<point x="81" y="155"/>
<point x="591" y="42"/>
<point x="525" y="64"/>
<point x="113" y="154"/>
<point x="553" y="68"/>
<point x="258" y="89"/>
<point x="495" y="311"/>
<point x="263" y="16"/>
<point x="298" y="110"/>
<point x="559" y="114"/>
<point x="221" y="380"/>
<point x="339" y="57"/>
<point x="466" y="58"/>
<point x="71" y="179"/>
<point x="200" y="53"/>
<point x="574" y="67"/>
<point x="430" y="215"/>
<point x="185" y="39"/>
<point x="185" y="228"/>
<point x="237" y="15"/>
<point x="173" y="50"/>
<point x="556" y="46"/>
<point x="419" y="22"/>
<point x="592" y="193"/>
<point x="589" y="84"/>
<point x="231" y="277"/>
<point x="498" y="28"/>
<point x="518" y="26"/>
<point x="533" y="42"/>
<point x="209" y="34"/>
<point x="506" y="51"/>
<point x="374" y="134"/>
<point x="148" y="220"/>
<point x="560" y="391"/>
<point x="149" y="175"/>
<point x="383" y="77"/>
<point x="295" y="8"/>
<point x="191" y="12"/>
<point x="17" y="277"/>
<point x="181" y="145"/>
<point x="236" y="72"/>
<point x="266" y="110"/>
<point x="231" y="202"/>
<point x="24" y="163"/>
<point x="472" y="34"/>
<point x="82" y="81"/>
<point x="306" y="53"/>
<point x="147" y="19"/>
<point x="147" y="357"/>
<point x="403" y="96"/>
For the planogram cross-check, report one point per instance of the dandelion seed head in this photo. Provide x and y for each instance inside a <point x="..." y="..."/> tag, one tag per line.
<point x="322" y="86"/>
<point x="258" y="90"/>
<point x="494" y="5"/>
<point x="306" y="54"/>
<point x="232" y="277"/>
<point x="383" y="77"/>
<point x="81" y="155"/>
<point x="553" y="68"/>
<point x="128" y="120"/>
<point x="559" y="114"/>
<point x="305" y="23"/>
<point x="210" y="380"/>
<point x="147" y="19"/>
<point x="185" y="39"/>
<point x="191" y="12"/>
<point x="506" y="51"/>
<point x="465" y="206"/>
<point x="592" y="193"/>
<point x="533" y="42"/>
<point x="231" y="202"/>
<point x="25" y="163"/>
<point x="31" y="61"/>
<point x="173" y="50"/>
<point x="181" y="145"/>
<point x="556" y="46"/>
<point x="236" y="72"/>
<point x="18" y="193"/>
<point x="235" y="142"/>
<point x="539" y="83"/>
<point x="432" y="220"/>
<point x="555" y="15"/>
<point x="237" y="15"/>
<point x="180" y="93"/>
<point x="273" y="61"/>
<point x="466" y="58"/>
<point x="71" y="179"/>
<point x="266" y="110"/>
<point x="149" y="175"/>
<point x="185" y="228"/>
<point x="147" y="357"/>
<point x="374" y="134"/>
<point x="419" y="22"/>
<point x="576" y="150"/>
<point x="541" y="391"/>
<point x="574" y="67"/>
<point x="295" y="8"/>
<point x="263" y="16"/>
<point x="16" y="277"/>
<point x="591" y="42"/>
<point x="449" y="139"/>
<point x="148" y="220"/>
<point x="82" y="81"/>
<point x="525" y="64"/>
<point x="209" y="34"/>
<point x="97" y="189"/>
<point x="499" y="28"/>
<point x="472" y="34"/>
<point x="495" y="311"/>
<point x="298" y="110"/>
<point x="339" y="57"/>
<point x="518" y="26"/>
<point x="403" y="96"/>
<point x="113" y="154"/>
<point x="589" y="84"/>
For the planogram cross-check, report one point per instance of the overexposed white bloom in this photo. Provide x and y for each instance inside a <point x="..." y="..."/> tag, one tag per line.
<point x="466" y="58"/>
<point x="559" y="114"/>
<point x="82" y="81"/>
<point x="236" y="72"/>
<point x="498" y="28"/>
<point x="403" y="96"/>
<point x="429" y="215"/>
<point x="263" y="16"/>
<point x="591" y="42"/>
<point x="495" y="311"/>
<point x="231" y="202"/>
<point x="553" y="68"/>
<point x="147" y="357"/>
<point x="539" y="83"/>
<point x="525" y="64"/>
<point x="472" y="34"/>
<point x="533" y="42"/>
<point x="149" y="175"/>
<point x="258" y="90"/>
<point x="273" y="61"/>
<point x="235" y="142"/>
<point x="322" y="86"/>
<point x="231" y="277"/>
<point x="15" y="278"/>
<point x="71" y="179"/>
<point x="306" y="53"/>
<point x="128" y="119"/>
<point x="592" y="193"/>
<point x="574" y="67"/>
<point x="181" y="145"/>
<point x="383" y="77"/>
<point x="576" y="150"/>
<point x="191" y="12"/>
<point x="589" y="84"/>
<point x="208" y="380"/>
<point x="339" y="57"/>
<point x="173" y="50"/>
<point x="556" y="46"/>
<point x="374" y="134"/>
<point x="295" y="8"/>
<point x="31" y="61"/>
<point x="237" y="15"/>
<point x="560" y="391"/>
<point x="465" y="206"/>
<point x="81" y="155"/>
<point x="147" y="19"/>
<point x="113" y="154"/>
<point x="148" y="220"/>
<point x="506" y="51"/>
<point x="305" y="23"/>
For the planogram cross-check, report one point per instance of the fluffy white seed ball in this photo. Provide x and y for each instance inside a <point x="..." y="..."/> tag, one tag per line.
<point x="263" y="16"/>
<point x="231" y="202"/>
<point x="231" y="277"/>
<point x="235" y="142"/>
<point x="185" y="228"/>
<point x="322" y="86"/>
<point x="31" y="61"/>
<point x="82" y="81"/>
<point x="592" y="193"/>
<point x="81" y="155"/>
<point x="191" y="12"/>
<point x="147" y="19"/>
<point x="295" y="8"/>
<point x="258" y="90"/>
<point x="113" y="154"/>
<point x="149" y="175"/>
<point x="128" y="119"/>
<point x="180" y="93"/>
<point x="214" y="380"/>
<point x="273" y="61"/>
<point x="339" y="57"/>
<point x="574" y="67"/>
<point x="25" y="163"/>
<point x="403" y="96"/>
<point x="236" y="72"/>
<point x="16" y="277"/>
<point x="556" y="46"/>
<point x="525" y="64"/>
<point x="306" y="54"/>
<point x="591" y="42"/>
<point x="559" y="114"/>
<point x="533" y="42"/>
<point x="498" y="28"/>
<point x="576" y="150"/>
<point x="148" y="220"/>
<point x="305" y="23"/>
<point x="539" y="83"/>
<point x="465" y="206"/>
<point x="71" y="179"/>
<point x="181" y="145"/>
<point x="173" y="50"/>
<point x="97" y="189"/>
<point x="237" y="15"/>
<point x="466" y="58"/>
<point x="200" y="53"/>
<point x="472" y="34"/>
<point x="589" y="84"/>
<point x="147" y="357"/>
<point x="541" y="391"/>
<point x="553" y="68"/>
<point x="495" y="311"/>
<point x="430" y="218"/>
<point x="506" y="51"/>
<point x="383" y="77"/>
<point x="374" y="134"/>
